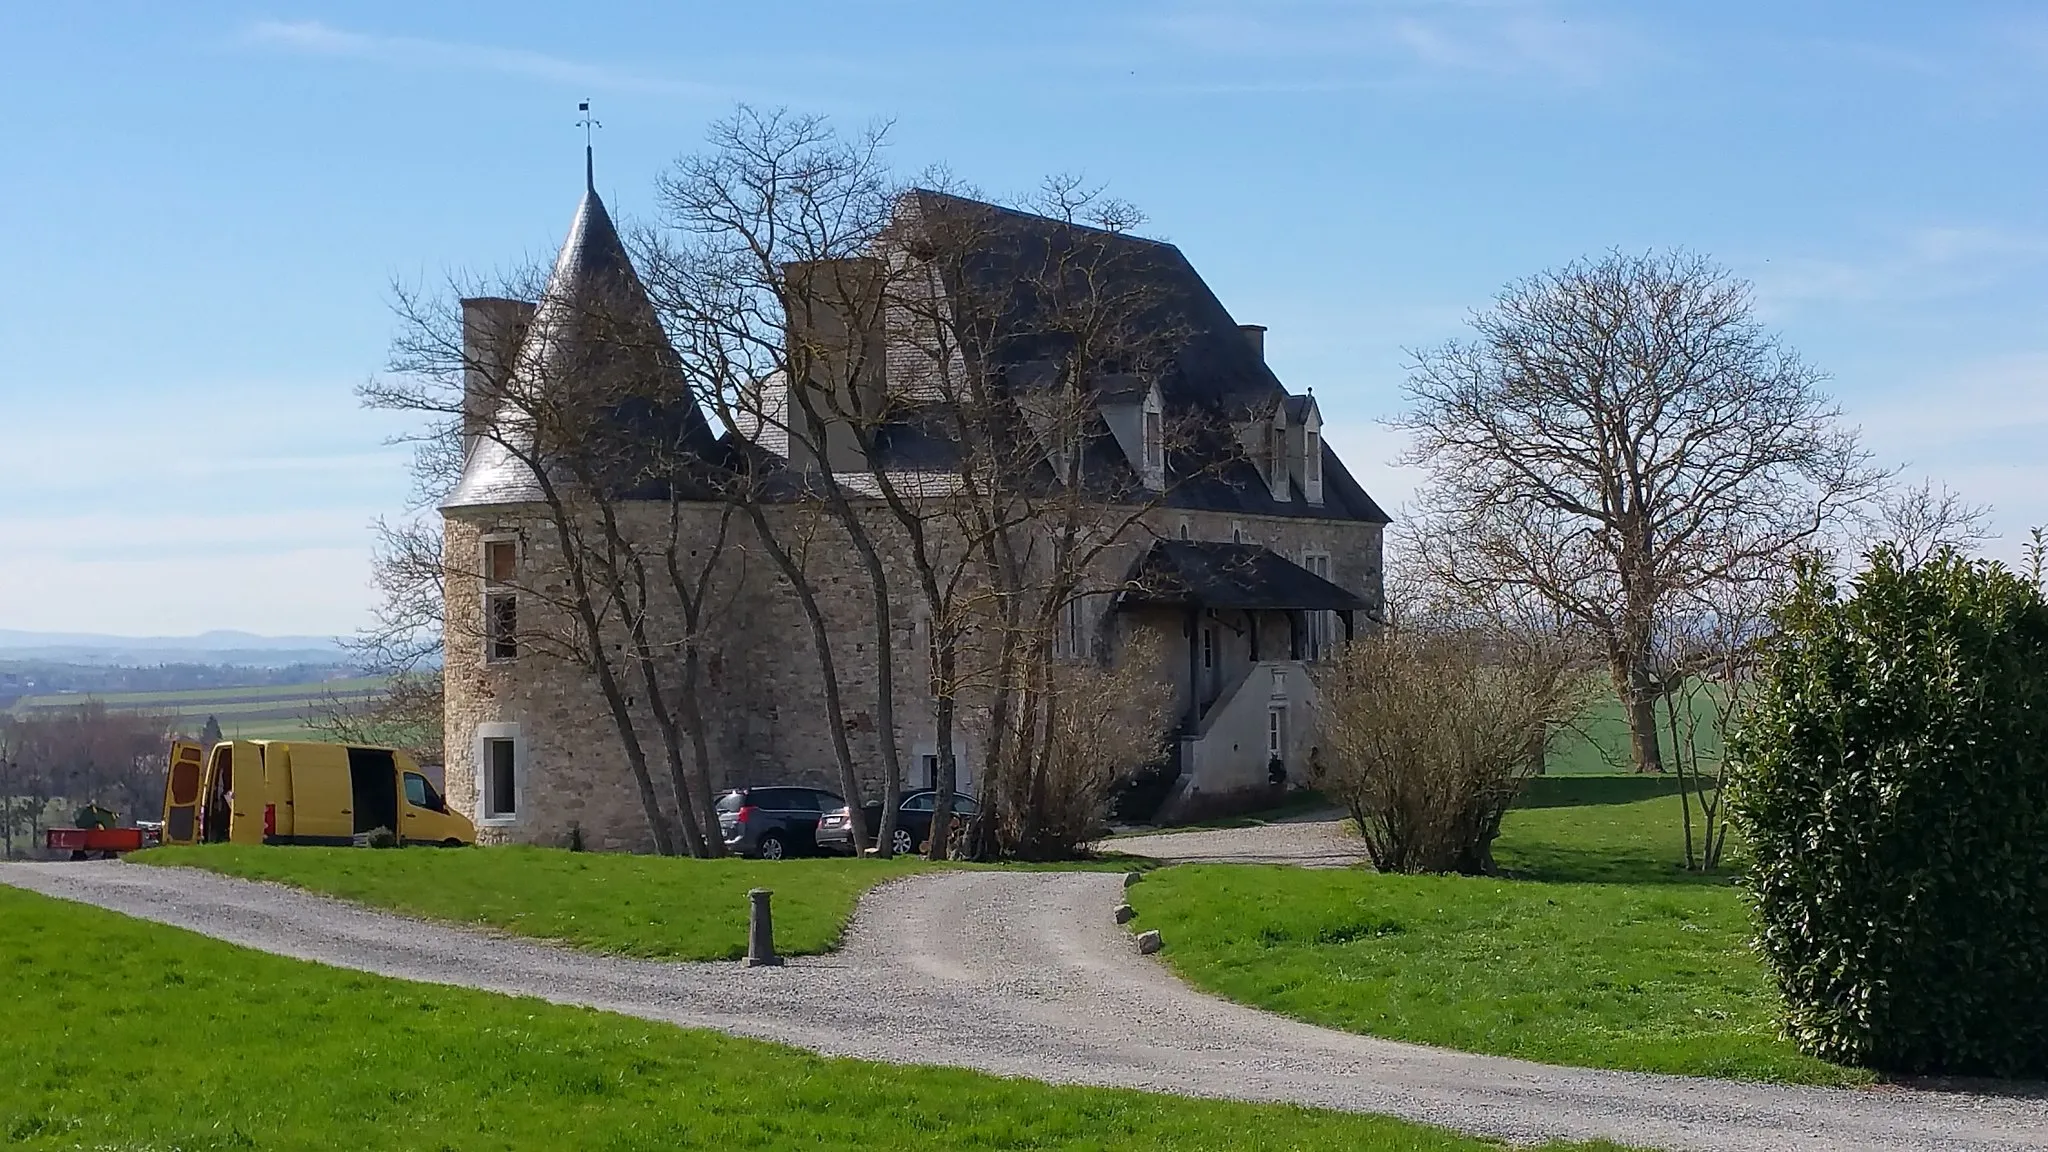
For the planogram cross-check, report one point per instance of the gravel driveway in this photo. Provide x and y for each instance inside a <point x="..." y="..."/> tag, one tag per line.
<point x="1050" y="988"/>
<point x="1312" y="840"/>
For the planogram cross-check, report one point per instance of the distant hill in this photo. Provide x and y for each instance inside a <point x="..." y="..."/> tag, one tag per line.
<point x="219" y="647"/>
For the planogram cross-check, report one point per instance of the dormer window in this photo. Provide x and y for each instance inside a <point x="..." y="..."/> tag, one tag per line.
<point x="1312" y="463"/>
<point x="1154" y="441"/>
<point x="1278" y="465"/>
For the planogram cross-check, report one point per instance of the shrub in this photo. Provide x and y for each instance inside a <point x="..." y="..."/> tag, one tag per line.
<point x="1892" y="780"/>
<point x="1426" y="735"/>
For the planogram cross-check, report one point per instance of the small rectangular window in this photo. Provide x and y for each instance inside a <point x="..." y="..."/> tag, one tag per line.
<point x="1312" y="451"/>
<point x="1276" y="732"/>
<point x="501" y="780"/>
<point x="1155" y="441"/>
<point x="501" y="610"/>
<point x="1070" y="637"/>
<point x="1321" y="625"/>
<point x="501" y="561"/>
<point x="501" y="602"/>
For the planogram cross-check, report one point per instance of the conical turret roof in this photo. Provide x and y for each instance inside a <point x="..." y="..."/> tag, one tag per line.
<point x="594" y="351"/>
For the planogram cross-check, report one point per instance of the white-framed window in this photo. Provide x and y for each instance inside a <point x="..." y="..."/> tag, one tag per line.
<point x="500" y="565"/>
<point x="1322" y="626"/>
<point x="1070" y="634"/>
<point x="1186" y="532"/>
<point x="500" y="774"/>
<point x="1276" y="732"/>
<point x="1155" y="441"/>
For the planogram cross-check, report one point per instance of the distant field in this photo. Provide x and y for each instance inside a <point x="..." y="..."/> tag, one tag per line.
<point x="270" y="712"/>
<point x="1598" y="743"/>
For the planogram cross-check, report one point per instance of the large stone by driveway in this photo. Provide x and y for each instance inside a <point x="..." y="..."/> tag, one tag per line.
<point x="1040" y="982"/>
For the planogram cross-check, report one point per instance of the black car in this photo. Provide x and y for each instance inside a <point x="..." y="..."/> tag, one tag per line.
<point x="774" y="822"/>
<point x="913" y="822"/>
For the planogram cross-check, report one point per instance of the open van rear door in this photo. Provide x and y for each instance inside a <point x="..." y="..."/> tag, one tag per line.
<point x="184" y="784"/>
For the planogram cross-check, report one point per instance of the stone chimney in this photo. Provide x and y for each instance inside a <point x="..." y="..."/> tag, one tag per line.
<point x="1255" y="334"/>
<point x="492" y="328"/>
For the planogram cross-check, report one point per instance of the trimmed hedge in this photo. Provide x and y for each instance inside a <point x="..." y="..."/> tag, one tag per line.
<point x="1892" y="782"/>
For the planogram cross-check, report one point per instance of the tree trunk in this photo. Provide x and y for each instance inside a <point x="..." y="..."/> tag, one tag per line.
<point x="948" y="781"/>
<point x="821" y="642"/>
<point x="1637" y="690"/>
<point x="700" y="750"/>
<point x="607" y="680"/>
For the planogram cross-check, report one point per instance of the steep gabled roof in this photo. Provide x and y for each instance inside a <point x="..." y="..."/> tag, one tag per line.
<point x="1013" y="271"/>
<point x="1006" y="280"/>
<point x="594" y="327"/>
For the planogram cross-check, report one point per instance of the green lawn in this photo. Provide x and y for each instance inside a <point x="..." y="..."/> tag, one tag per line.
<point x="1597" y="743"/>
<point x="635" y="905"/>
<point x="130" y="1035"/>
<point x="1625" y="829"/>
<point x="1608" y="955"/>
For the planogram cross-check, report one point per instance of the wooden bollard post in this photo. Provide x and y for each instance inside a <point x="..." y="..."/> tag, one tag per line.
<point x="761" y="931"/>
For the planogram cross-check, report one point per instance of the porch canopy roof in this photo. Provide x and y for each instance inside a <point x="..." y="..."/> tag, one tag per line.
<point x="1211" y="574"/>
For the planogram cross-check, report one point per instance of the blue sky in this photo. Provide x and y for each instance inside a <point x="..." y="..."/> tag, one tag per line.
<point x="202" y="207"/>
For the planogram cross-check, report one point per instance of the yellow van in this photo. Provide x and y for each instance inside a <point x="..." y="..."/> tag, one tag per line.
<point x="288" y="792"/>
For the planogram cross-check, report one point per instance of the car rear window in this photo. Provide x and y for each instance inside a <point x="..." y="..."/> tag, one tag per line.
<point x="782" y="799"/>
<point x="732" y="801"/>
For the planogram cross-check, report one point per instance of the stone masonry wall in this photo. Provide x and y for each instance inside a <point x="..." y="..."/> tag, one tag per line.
<point x="762" y="689"/>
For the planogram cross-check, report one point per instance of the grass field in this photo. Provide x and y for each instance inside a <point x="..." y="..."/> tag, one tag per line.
<point x="1598" y="742"/>
<point x="130" y="1035"/>
<point x="268" y="712"/>
<point x="1607" y="955"/>
<point x="634" y="905"/>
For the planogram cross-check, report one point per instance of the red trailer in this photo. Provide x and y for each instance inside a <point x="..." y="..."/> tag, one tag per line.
<point x="83" y="842"/>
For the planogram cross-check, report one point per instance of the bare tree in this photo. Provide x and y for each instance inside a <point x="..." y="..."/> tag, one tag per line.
<point x="833" y="317"/>
<point x="84" y="753"/>
<point x="1428" y="729"/>
<point x="764" y="280"/>
<point x="402" y="645"/>
<point x="1921" y="520"/>
<point x="1707" y="648"/>
<point x="1617" y="435"/>
<point x="591" y="412"/>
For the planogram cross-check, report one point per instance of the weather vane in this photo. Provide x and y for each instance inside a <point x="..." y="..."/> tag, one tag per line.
<point x="589" y="123"/>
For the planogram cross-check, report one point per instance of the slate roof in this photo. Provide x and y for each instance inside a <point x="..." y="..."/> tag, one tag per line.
<point x="593" y="319"/>
<point x="1205" y="363"/>
<point x="1017" y="258"/>
<point x="1213" y="574"/>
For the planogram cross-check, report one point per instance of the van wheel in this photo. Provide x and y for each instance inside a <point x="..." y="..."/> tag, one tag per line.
<point x="902" y="843"/>
<point x="771" y="847"/>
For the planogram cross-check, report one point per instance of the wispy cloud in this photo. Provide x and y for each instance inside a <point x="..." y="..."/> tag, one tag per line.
<point x="1927" y="263"/>
<point x="1498" y="38"/>
<point x="1977" y="428"/>
<point x="313" y="38"/>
